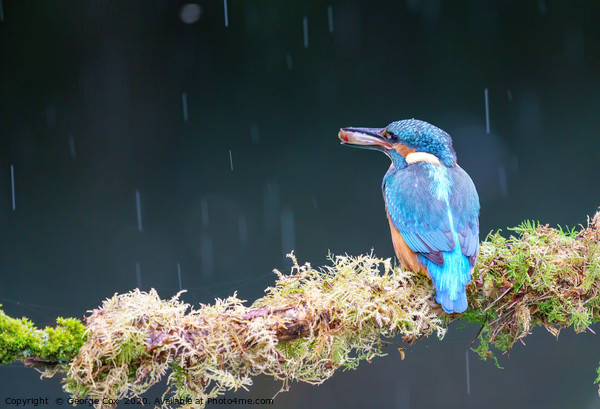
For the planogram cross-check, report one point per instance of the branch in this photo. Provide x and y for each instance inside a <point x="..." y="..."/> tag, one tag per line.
<point x="313" y="322"/>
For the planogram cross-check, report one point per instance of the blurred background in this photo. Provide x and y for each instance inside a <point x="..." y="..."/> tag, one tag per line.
<point x="174" y="144"/>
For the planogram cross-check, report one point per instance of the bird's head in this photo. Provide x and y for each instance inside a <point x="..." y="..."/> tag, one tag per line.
<point x="405" y="142"/>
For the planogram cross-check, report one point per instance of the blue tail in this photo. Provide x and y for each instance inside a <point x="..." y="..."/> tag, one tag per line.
<point x="450" y="279"/>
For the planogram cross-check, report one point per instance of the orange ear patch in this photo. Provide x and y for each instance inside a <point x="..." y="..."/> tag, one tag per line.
<point x="403" y="149"/>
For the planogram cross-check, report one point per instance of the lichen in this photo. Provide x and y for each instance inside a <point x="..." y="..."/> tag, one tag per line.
<point x="313" y="322"/>
<point x="309" y="324"/>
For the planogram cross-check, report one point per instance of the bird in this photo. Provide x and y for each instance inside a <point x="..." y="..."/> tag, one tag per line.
<point x="431" y="203"/>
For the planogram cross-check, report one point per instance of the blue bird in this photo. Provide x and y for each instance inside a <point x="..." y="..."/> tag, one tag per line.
<point x="431" y="203"/>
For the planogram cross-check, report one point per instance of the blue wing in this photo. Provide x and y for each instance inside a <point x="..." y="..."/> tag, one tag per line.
<point x="435" y="208"/>
<point x="464" y="203"/>
<point x="418" y="215"/>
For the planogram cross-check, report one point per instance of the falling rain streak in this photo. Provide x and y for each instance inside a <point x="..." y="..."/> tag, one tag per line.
<point x="72" y="148"/>
<point x="226" y="13"/>
<point x="179" y="276"/>
<point x="287" y="231"/>
<point x="487" y="112"/>
<point x="50" y="115"/>
<point x="509" y="94"/>
<point x="305" y="31"/>
<point x="204" y="211"/>
<point x="254" y="134"/>
<point x="271" y="207"/>
<point x="289" y="62"/>
<point x="502" y="181"/>
<point x="402" y="397"/>
<point x="243" y="229"/>
<point x="138" y="274"/>
<point x="230" y="160"/>
<point x="330" y="18"/>
<point x="185" y="106"/>
<point x="468" y="372"/>
<point x="138" y="207"/>
<point x="1" y="12"/>
<point x="12" y="186"/>
<point x="206" y="256"/>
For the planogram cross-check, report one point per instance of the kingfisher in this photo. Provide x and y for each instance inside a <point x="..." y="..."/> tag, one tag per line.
<point x="431" y="204"/>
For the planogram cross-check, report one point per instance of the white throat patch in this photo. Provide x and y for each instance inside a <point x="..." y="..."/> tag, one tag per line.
<point x="415" y="157"/>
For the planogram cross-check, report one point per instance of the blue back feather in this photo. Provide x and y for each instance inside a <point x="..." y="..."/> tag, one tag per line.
<point x="435" y="209"/>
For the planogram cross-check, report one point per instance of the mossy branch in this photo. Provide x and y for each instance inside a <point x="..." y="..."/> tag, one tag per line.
<point x="313" y="322"/>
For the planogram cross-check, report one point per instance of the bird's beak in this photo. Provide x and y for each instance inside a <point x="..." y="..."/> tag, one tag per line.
<point x="370" y="138"/>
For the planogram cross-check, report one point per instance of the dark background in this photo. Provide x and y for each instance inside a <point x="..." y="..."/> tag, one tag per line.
<point x="91" y="111"/>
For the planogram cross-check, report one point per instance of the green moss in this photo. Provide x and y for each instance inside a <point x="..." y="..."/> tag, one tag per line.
<point x="313" y="322"/>
<point x="553" y="311"/>
<point x="20" y="339"/>
<point x="483" y="348"/>
<point x="537" y="277"/>
<point x="132" y="347"/>
<point x="16" y="337"/>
